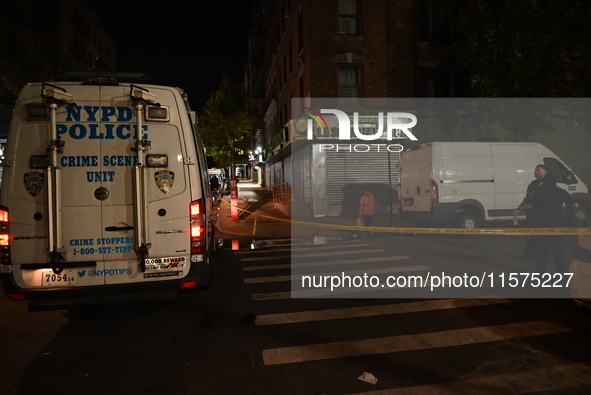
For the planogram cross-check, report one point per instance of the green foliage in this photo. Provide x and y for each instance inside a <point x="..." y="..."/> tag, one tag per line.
<point x="534" y="48"/>
<point x="225" y="124"/>
<point x="19" y="71"/>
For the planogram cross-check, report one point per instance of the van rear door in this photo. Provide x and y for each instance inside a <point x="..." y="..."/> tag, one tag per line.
<point x="28" y="195"/>
<point x="145" y="214"/>
<point x="415" y="181"/>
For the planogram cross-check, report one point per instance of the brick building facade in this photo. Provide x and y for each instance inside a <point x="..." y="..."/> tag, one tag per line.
<point x="345" y="49"/>
<point x="39" y="37"/>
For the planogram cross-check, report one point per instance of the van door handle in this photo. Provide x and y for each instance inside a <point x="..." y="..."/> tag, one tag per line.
<point x="118" y="228"/>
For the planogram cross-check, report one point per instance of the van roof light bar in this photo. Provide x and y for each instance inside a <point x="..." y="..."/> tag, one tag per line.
<point x="102" y="74"/>
<point x="56" y="94"/>
<point x="142" y="94"/>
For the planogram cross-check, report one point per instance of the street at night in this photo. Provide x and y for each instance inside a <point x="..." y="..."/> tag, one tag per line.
<point x="245" y="334"/>
<point x="319" y="197"/>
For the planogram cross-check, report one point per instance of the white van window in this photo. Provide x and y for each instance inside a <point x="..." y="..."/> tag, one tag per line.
<point x="565" y="176"/>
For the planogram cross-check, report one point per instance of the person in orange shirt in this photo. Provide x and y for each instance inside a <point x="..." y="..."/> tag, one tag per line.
<point x="367" y="206"/>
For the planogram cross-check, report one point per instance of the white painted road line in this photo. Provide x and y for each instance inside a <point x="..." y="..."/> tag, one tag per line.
<point x="301" y="248"/>
<point x="369" y="311"/>
<point x="369" y="272"/>
<point x="319" y="254"/>
<point x="385" y="259"/>
<point x="423" y="341"/>
<point x="270" y="296"/>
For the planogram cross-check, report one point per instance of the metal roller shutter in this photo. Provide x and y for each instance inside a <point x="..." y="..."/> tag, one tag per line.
<point x="348" y="174"/>
<point x="287" y="169"/>
<point x="297" y="189"/>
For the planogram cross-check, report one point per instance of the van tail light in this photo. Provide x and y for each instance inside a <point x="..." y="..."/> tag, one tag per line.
<point x="434" y="192"/>
<point x="197" y="227"/>
<point x="582" y="254"/>
<point x="4" y="237"/>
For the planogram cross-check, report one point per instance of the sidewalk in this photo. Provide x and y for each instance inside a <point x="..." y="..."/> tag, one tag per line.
<point x="256" y="208"/>
<point x="261" y="218"/>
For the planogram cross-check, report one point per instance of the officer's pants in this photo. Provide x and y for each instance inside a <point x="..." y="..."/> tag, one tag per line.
<point x="543" y="247"/>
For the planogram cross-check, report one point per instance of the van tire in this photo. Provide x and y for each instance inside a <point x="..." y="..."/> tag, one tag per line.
<point x="580" y="218"/>
<point x="467" y="219"/>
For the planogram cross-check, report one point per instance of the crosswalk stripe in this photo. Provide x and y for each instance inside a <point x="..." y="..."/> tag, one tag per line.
<point x="344" y="252"/>
<point x="300" y="248"/>
<point x="271" y="296"/>
<point x="267" y="267"/>
<point x="532" y="381"/>
<point x="265" y="258"/>
<point x="458" y="337"/>
<point x="368" y="311"/>
<point x="272" y="279"/>
<point x="299" y="255"/>
<point x="384" y="259"/>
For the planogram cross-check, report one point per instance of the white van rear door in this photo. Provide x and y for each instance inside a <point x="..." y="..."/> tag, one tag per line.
<point x="415" y="180"/>
<point x="166" y="192"/>
<point x="29" y="192"/>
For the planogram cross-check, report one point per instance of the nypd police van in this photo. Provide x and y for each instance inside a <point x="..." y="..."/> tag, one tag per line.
<point x="105" y="195"/>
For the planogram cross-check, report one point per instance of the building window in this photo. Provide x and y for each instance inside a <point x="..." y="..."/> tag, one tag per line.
<point x="435" y="21"/>
<point x="348" y="13"/>
<point x="301" y="86"/>
<point x="349" y="85"/>
<point x="300" y="32"/>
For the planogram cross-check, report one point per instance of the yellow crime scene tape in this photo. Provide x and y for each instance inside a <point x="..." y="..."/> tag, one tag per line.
<point x="432" y="231"/>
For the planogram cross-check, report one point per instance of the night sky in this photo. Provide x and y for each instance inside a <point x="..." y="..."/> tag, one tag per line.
<point x="184" y="44"/>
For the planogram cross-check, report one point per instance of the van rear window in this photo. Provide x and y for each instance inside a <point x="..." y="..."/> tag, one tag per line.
<point x="158" y="114"/>
<point x="36" y="112"/>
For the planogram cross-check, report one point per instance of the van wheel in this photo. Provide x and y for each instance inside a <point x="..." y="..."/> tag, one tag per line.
<point x="467" y="219"/>
<point x="580" y="218"/>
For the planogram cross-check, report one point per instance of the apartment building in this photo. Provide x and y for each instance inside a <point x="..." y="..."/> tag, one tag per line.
<point x="349" y="50"/>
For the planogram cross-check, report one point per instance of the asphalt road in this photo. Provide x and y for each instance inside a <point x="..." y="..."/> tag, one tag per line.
<point x="246" y="335"/>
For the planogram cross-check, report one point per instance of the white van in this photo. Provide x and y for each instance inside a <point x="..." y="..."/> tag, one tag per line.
<point x="105" y="195"/>
<point x="468" y="183"/>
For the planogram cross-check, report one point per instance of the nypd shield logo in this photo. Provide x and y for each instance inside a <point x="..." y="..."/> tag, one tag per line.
<point x="34" y="182"/>
<point x="164" y="180"/>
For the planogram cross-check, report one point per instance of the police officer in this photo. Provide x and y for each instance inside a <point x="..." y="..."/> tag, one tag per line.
<point x="539" y="172"/>
<point x="547" y="203"/>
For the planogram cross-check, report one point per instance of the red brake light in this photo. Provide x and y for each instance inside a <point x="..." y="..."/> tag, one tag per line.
<point x="196" y="231"/>
<point x="434" y="192"/>
<point x="4" y="237"/>
<point x="197" y="227"/>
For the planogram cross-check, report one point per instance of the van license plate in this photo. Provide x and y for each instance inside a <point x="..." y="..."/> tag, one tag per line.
<point x="66" y="277"/>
